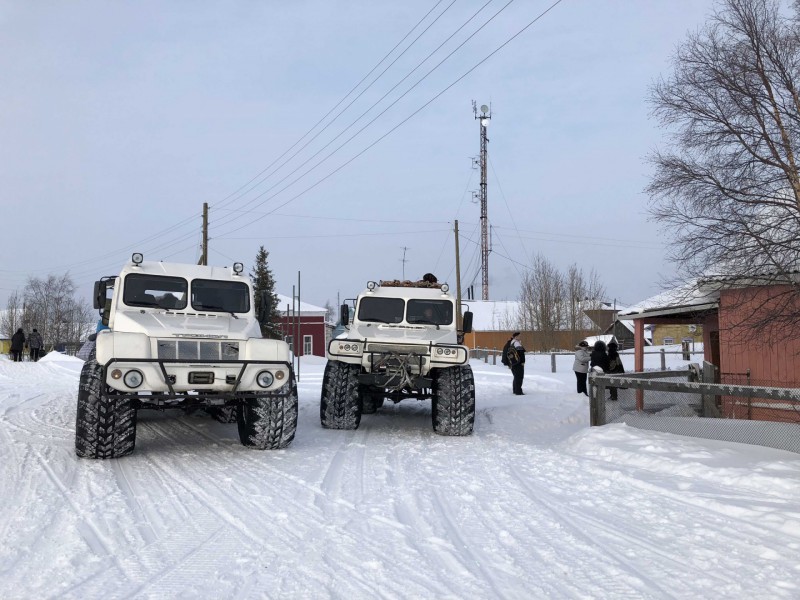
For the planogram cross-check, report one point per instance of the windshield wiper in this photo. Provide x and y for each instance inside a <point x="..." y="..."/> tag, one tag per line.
<point x="219" y="308"/>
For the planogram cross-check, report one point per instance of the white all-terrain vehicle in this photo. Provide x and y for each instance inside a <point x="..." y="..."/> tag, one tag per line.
<point x="182" y="336"/>
<point x="402" y="343"/>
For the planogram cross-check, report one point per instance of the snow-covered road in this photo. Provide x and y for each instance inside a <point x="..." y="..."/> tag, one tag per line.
<point x="535" y="504"/>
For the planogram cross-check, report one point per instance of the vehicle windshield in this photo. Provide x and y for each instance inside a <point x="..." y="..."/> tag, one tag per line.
<point x="430" y="312"/>
<point x="225" y="296"/>
<point x="417" y="311"/>
<point x="381" y="310"/>
<point x="156" y="291"/>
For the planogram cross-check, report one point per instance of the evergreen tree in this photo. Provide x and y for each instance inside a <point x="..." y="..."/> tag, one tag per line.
<point x="264" y="282"/>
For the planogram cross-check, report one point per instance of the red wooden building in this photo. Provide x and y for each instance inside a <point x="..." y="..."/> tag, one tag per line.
<point x="305" y="323"/>
<point x="736" y="336"/>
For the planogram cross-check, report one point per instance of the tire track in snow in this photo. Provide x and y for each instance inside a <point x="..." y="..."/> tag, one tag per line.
<point x="93" y="537"/>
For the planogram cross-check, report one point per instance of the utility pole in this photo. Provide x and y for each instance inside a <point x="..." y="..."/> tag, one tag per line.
<point x="204" y="256"/>
<point x="403" y="260"/>
<point x="458" y="283"/>
<point x="483" y="119"/>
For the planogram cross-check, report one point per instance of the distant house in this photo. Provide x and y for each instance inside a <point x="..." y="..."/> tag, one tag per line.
<point x="306" y="323"/>
<point x="723" y="311"/>
<point x="622" y="331"/>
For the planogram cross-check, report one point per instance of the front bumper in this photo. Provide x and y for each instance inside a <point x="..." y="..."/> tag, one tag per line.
<point x="175" y="379"/>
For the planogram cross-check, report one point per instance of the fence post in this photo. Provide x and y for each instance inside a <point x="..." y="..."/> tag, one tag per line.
<point x="597" y="402"/>
<point x="709" y="401"/>
<point x="553" y="362"/>
<point x="663" y="360"/>
<point x="494" y="356"/>
<point x="486" y="355"/>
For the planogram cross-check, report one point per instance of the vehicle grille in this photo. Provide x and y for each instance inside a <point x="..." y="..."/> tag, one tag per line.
<point x="198" y="350"/>
<point x="397" y="349"/>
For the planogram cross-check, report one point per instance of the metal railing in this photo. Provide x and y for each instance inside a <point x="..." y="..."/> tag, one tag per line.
<point x="492" y="354"/>
<point x="688" y="402"/>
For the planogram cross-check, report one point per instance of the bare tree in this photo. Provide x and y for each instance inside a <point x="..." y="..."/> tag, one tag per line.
<point x="542" y="296"/>
<point x="51" y="307"/>
<point x="11" y="319"/>
<point x="728" y="185"/>
<point x="583" y="293"/>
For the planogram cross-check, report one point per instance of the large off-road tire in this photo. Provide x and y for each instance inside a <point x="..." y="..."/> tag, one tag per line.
<point x="269" y="421"/>
<point x="105" y="425"/>
<point x="453" y="401"/>
<point x="340" y="403"/>
<point x="223" y="414"/>
<point x="370" y="401"/>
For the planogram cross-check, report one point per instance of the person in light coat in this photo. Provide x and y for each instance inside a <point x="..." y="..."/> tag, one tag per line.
<point x="581" y="366"/>
<point x="35" y="344"/>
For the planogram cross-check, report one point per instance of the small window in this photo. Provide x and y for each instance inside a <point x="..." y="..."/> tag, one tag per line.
<point x="669" y="341"/>
<point x="288" y="339"/>
<point x="308" y="345"/>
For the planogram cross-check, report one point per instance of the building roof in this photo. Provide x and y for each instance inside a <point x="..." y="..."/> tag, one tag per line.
<point x="305" y="308"/>
<point x="691" y="297"/>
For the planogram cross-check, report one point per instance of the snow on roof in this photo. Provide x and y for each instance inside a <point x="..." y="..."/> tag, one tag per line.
<point x="305" y="307"/>
<point x="688" y="295"/>
<point x="493" y="315"/>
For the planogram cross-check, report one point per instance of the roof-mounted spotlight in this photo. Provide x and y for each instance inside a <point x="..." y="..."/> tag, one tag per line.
<point x="238" y="268"/>
<point x="445" y="288"/>
<point x="137" y="258"/>
<point x="371" y="285"/>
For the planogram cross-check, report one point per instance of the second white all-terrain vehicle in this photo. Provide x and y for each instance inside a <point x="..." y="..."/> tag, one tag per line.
<point x="403" y="343"/>
<point x="182" y="336"/>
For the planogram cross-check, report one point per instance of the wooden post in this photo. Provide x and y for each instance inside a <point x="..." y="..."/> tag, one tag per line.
<point x="709" y="401"/>
<point x="494" y="356"/>
<point x="553" y="362"/>
<point x="663" y="360"/>
<point x="638" y="357"/>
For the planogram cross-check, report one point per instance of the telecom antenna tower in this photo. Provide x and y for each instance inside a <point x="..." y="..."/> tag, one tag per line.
<point x="483" y="119"/>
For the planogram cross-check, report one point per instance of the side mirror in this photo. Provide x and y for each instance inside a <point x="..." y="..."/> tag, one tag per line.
<point x="467" y="322"/>
<point x="99" y="294"/>
<point x="344" y="314"/>
<point x="263" y="308"/>
<point x="92" y="337"/>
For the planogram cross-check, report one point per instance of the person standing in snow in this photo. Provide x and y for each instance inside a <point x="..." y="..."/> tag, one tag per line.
<point x="514" y="358"/>
<point x="35" y="344"/>
<point x="614" y="365"/>
<point x="17" y="344"/>
<point x="581" y="366"/>
<point x="599" y="357"/>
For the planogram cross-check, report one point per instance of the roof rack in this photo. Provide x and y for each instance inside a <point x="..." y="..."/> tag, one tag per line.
<point x="410" y="284"/>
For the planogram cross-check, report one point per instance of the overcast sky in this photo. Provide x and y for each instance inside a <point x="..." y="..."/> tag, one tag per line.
<point x="119" y="120"/>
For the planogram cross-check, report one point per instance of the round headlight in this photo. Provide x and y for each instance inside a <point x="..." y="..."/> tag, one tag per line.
<point x="439" y="351"/>
<point x="133" y="379"/>
<point x="264" y="379"/>
<point x="445" y="288"/>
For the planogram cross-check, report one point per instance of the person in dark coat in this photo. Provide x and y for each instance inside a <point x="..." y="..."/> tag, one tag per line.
<point x="35" y="344"/>
<point x="17" y="344"/>
<point x="599" y="357"/>
<point x="614" y="365"/>
<point x="514" y="358"/>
